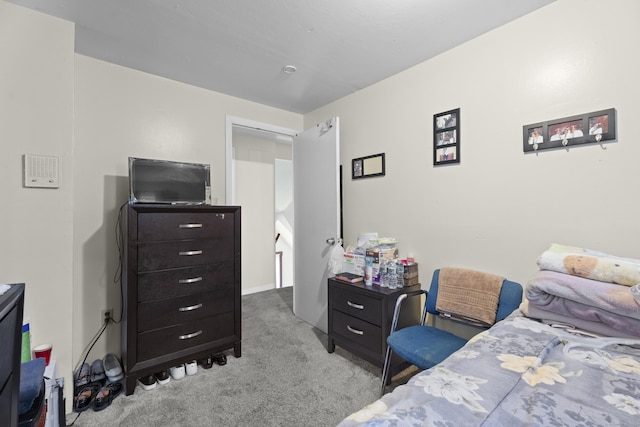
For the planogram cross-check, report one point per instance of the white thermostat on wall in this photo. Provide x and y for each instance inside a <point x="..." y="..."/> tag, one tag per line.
<point x="41" y="171"/>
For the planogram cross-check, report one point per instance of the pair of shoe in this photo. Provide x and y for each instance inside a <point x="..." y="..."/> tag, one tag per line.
<point x="94" y="396"/>
<point x="218" y="358"/>
<point x="178" y="372"/>
<point x="88" y="375"/>
<point x="151" y="381"/>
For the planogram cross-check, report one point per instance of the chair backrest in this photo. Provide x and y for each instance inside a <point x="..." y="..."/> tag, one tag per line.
<point x="510" y="297"/>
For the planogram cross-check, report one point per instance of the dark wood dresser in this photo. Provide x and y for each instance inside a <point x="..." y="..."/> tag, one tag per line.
<point x="182" y="290"/>
<point x="360" y="319"/>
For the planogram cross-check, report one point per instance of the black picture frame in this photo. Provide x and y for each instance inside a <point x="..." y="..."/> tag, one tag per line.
<point x="368" y="166"/>
<point x="446" y="137"/>
<point x="589" y="128"/>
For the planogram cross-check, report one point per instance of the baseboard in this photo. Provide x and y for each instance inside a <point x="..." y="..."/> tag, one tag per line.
<point x="258" y="289"/>
<point x="261" y="288"/>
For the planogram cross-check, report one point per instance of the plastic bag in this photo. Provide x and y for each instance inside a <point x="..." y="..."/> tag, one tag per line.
<point x="335" y="262"/>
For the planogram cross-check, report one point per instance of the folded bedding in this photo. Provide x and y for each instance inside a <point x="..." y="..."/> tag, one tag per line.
<point x="604" y="308"/>
<point x="590" y="264"/>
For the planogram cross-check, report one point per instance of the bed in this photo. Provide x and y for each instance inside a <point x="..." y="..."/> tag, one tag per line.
<point x="532" y="370"/>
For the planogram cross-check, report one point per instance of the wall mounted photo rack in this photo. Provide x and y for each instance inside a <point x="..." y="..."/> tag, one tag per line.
<point x="589" y="128"/>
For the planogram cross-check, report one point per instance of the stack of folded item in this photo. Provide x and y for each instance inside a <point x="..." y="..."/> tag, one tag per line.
<point x="585" y="290"/>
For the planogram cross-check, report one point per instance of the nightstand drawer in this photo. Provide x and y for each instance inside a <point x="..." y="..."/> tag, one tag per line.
<point x="179" y="282"/>
<point x="358" y="305"/>
<point x="161" y="313"/>
<point x="184" y="253"/>
<point x="184" y="225"/>
<point x="357" y="331"/>
<point x="184" y="336"/>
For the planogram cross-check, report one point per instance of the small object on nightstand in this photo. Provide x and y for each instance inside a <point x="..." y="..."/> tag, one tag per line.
<point x="349" y="277"/>
<point x="368" y="270"/>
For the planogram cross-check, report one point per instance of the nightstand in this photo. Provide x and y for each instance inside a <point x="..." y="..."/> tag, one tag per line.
<point x="360" y="319"/>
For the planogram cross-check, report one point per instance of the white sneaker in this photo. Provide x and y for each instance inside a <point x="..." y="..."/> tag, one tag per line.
<point x="192" y="367"/>
<point x="177" y="372"/>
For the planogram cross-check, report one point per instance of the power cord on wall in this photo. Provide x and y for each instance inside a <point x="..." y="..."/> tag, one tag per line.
<point x="117" y="278"/>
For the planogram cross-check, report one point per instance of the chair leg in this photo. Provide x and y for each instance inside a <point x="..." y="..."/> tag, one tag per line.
<point x="385" y="370"/>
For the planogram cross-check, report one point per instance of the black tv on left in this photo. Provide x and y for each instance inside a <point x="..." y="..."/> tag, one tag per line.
<point x="169" y="182"/>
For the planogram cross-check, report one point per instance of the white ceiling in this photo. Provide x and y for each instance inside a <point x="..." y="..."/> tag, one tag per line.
<point x="239" y="47"/>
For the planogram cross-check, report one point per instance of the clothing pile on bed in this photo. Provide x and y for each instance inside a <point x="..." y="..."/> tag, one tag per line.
<point x="585" y="291"/>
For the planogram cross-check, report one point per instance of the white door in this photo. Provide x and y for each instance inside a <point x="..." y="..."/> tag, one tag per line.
<point x="316" y="189"/>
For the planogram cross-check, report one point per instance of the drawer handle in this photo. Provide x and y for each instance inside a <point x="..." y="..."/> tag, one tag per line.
<point x="192" y="335"/>
<point x="354" y="305"/>
<point x="191" y="307"/>
<point x="190" y="226"/>
<point x="193" y="280"/>
<point x="355" y="331"/>
<point x="190" y="253"/>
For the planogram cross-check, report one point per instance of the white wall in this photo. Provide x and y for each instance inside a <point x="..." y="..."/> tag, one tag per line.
<point x="122" y="112"/>
<point x="255" y="188"/>
<point x="93" y="115"/>
<point x="36" y="117"/>
<point x="285" y="211"/>
<point x="499" y="209"/>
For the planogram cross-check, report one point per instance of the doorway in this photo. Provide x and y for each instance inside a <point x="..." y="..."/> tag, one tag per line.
<point x="260" y="179"/>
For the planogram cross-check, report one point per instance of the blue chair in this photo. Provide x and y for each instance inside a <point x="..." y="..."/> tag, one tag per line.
<point x="425" y="346"/>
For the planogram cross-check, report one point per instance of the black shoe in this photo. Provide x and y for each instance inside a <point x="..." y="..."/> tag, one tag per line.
<point x="162" y="377"/>
<point x="220" y="359"/>
<point x="206" y="363"/>
<point x="148" y="383"/>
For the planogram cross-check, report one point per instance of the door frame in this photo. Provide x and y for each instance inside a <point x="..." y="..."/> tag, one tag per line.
<point x="230" y="122"/>
<point x="230" y="173"/>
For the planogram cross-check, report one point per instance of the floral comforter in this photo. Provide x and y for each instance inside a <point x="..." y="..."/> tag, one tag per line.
<point x="519" y="372"/>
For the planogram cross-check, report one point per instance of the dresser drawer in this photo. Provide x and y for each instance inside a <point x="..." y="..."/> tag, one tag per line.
<point x="357" y="331"/>
<point x="184" y="336"/>
<point x="184" y="225"/>
<point x="358" y="305"/>
<point x="183" y="253"/>
<point x="184" y="281"/>
<point x="166" y="312"/>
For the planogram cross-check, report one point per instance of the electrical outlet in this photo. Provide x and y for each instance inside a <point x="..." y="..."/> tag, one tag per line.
<point x="107" y="315"/>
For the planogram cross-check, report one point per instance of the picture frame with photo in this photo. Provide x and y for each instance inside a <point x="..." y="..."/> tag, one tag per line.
<point x="446" y="137"/>
<point x="595" y="127"/>
<point x="368" y="166"/>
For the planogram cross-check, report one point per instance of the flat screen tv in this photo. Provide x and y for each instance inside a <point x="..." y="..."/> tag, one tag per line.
<point x="169" y="182"/>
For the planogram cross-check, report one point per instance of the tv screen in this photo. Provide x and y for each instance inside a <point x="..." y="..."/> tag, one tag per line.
<point x="163" y="181"/>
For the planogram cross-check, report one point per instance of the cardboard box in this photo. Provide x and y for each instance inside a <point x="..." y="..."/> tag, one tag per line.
<point x="391" y="253"/>
<point x="352" y="263"/>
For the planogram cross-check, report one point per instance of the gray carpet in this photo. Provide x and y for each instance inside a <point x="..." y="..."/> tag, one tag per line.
<point x="285" y="377"/>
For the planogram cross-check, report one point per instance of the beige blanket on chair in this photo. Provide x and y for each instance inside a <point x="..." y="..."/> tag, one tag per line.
<point x="468" y="295"/>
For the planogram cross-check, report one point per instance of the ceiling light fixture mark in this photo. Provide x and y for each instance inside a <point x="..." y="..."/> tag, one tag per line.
<point x="289" y="69"/>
